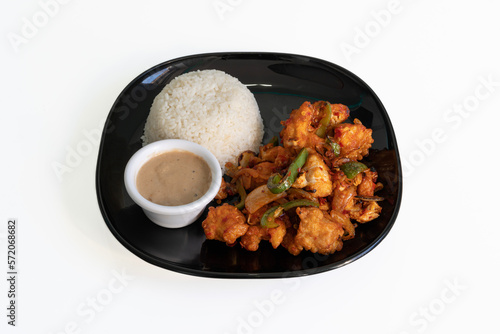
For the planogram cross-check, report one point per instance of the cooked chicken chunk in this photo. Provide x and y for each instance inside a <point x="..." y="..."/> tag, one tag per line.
<point x="368" y="183"/>
<point x="290" y="243"/>
<point x="299" y="130"/>
<point x="315" y="176"/>
<point x="354" y="141"/>
<point x="224" y="223"/>
<point x="330" y="200"/>
<point x="276" y="154"/>
<point x="340" y="113"/>
<point x="344" y="196"/>
<point x="365" y="211"/>
<point x="318" y="232"/>
<point x="250" y="241"/>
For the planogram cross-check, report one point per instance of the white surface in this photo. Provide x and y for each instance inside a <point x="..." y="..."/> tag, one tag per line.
<point x="434" y="273"/>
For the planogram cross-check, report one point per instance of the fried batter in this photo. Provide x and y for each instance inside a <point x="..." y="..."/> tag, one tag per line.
<point x="299" y="131"/>
<point x="224" y="223"/>
<point x="250" y="241"/>
<point x="329" y="205"/>
<point x="277" y="154"/>
<point x="318" y="232"/>
<point x="368" y="183"/>
<point x="365" y="211"/>
<point x="340" y="113"/>
<point x="354" y="141"/>
<point x="315" y="176"/>
<point x="290" y="243"/>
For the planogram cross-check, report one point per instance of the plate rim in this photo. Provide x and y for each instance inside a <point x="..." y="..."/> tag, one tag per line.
<point x="169" y="265"/>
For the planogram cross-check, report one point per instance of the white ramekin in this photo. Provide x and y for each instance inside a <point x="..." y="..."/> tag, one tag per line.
<point x="171" y="216"/>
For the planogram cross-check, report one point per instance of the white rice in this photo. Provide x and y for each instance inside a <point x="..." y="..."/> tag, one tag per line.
<point x="210" y="108"/>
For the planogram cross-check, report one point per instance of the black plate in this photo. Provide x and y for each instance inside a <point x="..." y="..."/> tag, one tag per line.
<point x="280" y="83"/>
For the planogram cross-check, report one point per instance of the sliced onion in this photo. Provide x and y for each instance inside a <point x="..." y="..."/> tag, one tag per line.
<point x="261" y="196"/>
<point x="302" y="194"/>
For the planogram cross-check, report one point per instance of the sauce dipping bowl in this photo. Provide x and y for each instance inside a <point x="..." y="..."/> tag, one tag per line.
<point x="171" y="216"/>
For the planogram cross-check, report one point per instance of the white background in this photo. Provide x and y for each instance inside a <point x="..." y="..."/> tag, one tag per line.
<point x="436" y="272"/>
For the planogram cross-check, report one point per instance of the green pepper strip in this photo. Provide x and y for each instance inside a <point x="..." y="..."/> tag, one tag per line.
<point x="278" y="184"/>
<point x="353" y="168"/>
<point x="268" y="219"/>
<point x="325" y="121"/>
<point x="242" y="193"/>
<point x="335" y="146"/>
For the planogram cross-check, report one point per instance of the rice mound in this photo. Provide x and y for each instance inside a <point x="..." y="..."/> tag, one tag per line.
<point x="210" y="108"/>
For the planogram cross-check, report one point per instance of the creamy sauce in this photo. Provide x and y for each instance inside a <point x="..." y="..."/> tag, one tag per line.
<point x="174" y="178"/>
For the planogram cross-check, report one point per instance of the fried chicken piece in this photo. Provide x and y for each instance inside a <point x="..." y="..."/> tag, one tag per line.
<point x="318" y="232"/>
<point x="299" y="130"/>
<point x="354" y="141"/>
<point x="265" y="170"/>
<point x="277" y="154"/>
<point x="224" y="223"/>
<point x="277" y="234"/>
<point x="251" y="240"/>
<point x="290" y="243"/>
<point x="340" y="113"/>
<point x="365" y="211"/>
<point x="368" y="183"/>
<point x="315" y="176"/>
<point x="344" y="200"/>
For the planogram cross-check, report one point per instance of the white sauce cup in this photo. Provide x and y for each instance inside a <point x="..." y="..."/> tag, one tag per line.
<point x="171" y="216"/>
